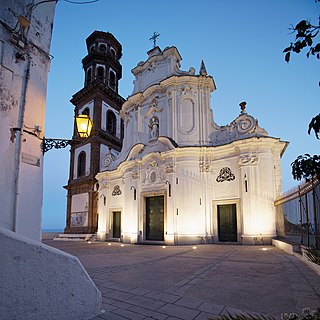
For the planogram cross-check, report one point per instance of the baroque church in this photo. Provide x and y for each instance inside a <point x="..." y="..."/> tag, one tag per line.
<point x="157" y="168"/>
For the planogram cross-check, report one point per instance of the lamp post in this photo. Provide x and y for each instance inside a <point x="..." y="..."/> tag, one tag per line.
<point x="84" y="126"/>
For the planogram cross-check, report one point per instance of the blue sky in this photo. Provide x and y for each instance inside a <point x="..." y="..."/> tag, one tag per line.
<point x="241" y="43"/>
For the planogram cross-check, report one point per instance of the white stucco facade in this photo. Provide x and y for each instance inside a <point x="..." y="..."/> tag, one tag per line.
<point x="180" y="176"/>
<point x="25" y="37"/>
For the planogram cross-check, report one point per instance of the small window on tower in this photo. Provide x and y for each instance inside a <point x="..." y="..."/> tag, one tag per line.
<point x="113" y="53"/>
<point x="111" y="122"/>
<point x="112" y="80"/>
<point x="102" y="48"/>
<point x="81" y="164"/>
<point x="88" y="76"/>
<point x="100" y="73"/>
<point x="86" y="111"/>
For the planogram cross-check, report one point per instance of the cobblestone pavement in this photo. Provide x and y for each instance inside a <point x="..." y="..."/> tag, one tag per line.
<point x="151" y="282"/>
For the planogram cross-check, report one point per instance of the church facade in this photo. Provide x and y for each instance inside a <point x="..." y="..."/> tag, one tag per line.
<point x="180" y="178"/>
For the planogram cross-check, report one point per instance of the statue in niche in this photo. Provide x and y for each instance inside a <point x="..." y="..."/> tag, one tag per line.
<point x="154" y="128"/>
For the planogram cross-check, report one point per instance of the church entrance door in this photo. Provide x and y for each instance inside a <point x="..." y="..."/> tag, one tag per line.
<point x="116" y="224"/>
<point x="155" y="218"/>
<point x="227" y="222"/>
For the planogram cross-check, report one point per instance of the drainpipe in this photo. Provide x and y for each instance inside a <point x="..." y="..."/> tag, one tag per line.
<point x="17" y="151"/>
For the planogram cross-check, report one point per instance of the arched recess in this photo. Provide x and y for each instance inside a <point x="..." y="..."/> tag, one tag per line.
<point x="89" y="75"/>
<point x="186" y="115"/>
<point x="100" y="73"/>
<point x="81" y="168"/>
<point x="112" y="79"/>
<point x="111" y="122"/>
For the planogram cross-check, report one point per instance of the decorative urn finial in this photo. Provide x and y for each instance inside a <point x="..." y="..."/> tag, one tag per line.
<point x="243" y="106"/>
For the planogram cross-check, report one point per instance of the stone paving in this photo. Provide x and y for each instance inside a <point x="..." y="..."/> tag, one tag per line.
<point x="179" y="282"/>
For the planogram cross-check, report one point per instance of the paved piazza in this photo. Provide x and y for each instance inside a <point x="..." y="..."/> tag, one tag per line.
<point x="151" y="282"/>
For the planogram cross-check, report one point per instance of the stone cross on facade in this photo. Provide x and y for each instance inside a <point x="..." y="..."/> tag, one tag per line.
<point x="154" y="38"/>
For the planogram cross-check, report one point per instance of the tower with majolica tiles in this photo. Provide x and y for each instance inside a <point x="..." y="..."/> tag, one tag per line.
<point x="99" y="99"/>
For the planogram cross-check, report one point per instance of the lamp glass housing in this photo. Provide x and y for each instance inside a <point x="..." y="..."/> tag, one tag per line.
<point x="84" y="125"/>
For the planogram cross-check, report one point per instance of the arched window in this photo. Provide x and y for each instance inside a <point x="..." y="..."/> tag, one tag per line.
<point x="86" y="111"/>
<point x="88" y="75"/>
<point x="81" y="164"/>
<point x="102" y="48"/>
<point x="112" y="79"/>
<point x="100" y="73"/>
<point x="111" y="122"/>
<point x="113" y="53"/>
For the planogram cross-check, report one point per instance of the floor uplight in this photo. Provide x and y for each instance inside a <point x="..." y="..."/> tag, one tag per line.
<point x="89" y="242"/>
<point x="194" y="247"/>
<point x="163" y="247"/>
<point x="109" y="244"/>
<point x="122" y="245"/>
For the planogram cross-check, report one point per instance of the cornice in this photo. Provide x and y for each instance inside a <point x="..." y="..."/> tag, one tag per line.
<point x="92" y="88"/>
<point x="174" y="81"/>
<point x="221" y="152"/>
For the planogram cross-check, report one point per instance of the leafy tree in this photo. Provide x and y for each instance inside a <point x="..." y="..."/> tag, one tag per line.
<point x="307" y="37"/>
<point x="306" y="167"/>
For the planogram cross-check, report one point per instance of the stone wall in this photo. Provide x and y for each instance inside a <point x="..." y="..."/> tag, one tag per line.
<point x="40" y="282"/>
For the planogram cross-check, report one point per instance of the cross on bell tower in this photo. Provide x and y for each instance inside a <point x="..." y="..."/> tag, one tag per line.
<point x="154" y="38"/>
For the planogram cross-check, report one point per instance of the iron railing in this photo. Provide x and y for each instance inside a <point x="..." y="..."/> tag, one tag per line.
<point x="298" y="214"/>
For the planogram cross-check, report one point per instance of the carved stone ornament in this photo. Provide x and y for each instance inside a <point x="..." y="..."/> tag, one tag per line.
<point x="248" y="159"/>
<point x="107" y="160"/>
<point x="205" y="166"/>
<point x="225" y="175"/>
<point x="116" y="191"/>
<point x="153" y="108"/>
<point x="103" y="184"/>
<point x="153" y="176"/>
<point x="169" y="168"/>
<point x="134" y="175"/>
<point x="153" y="163"/>
<point x="245" y="124"/>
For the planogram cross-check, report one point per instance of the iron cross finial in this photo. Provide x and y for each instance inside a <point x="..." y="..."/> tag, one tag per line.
<point x="154" y="38"/>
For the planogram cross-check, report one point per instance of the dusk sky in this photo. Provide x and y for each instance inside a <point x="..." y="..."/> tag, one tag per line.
<point x="241" y="43"/>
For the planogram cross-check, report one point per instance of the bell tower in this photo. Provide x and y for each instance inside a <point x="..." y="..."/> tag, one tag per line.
<point x="99" y="99"/>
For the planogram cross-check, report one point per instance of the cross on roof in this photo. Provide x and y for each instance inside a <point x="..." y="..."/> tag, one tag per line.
<point x="154" y="38"/>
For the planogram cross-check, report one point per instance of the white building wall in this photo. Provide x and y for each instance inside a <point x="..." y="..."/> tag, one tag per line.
<point x="59" y="289"/>
<point x="196" y="191"/>
<point x="23" y="93"/>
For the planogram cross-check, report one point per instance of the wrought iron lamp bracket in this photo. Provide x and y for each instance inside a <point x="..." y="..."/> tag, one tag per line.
<point x="48" y="144"/>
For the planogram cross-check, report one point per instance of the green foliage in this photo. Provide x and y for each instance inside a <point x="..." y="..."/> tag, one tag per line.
<point x="313" y="255"/>
<point x="315" y="125"/>
<point x="243" y="317"/>
<point x="307" y="36"/>
<point x="307" y="314"/>
<point x="306" y="167"/>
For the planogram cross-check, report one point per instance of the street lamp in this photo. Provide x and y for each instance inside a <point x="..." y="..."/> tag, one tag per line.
<point x="84" y="126"/>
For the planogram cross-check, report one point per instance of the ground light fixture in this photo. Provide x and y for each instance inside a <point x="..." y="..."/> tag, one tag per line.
<point x="84" y="126"/>
<point x="194" y="247"/>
